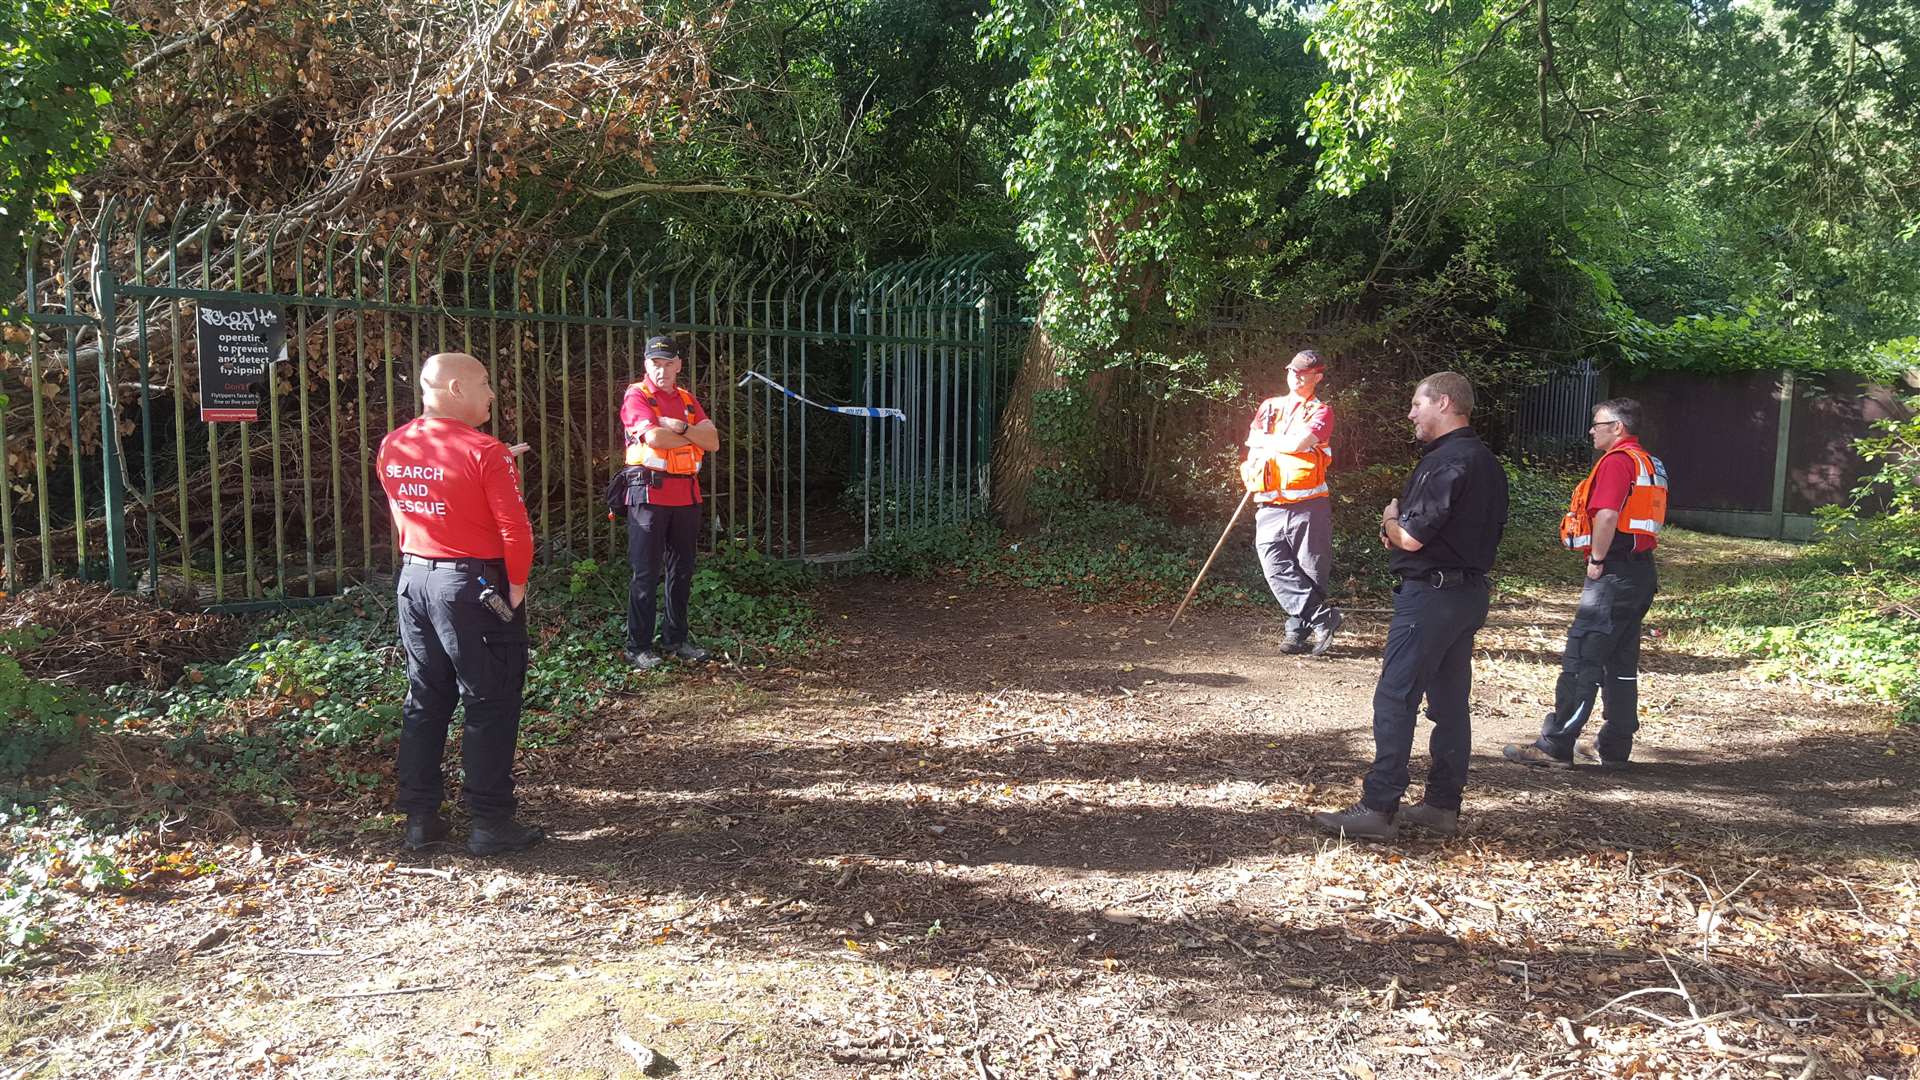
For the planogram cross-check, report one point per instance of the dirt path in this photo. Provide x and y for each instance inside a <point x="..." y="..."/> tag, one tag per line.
<point x="990" y="834"/>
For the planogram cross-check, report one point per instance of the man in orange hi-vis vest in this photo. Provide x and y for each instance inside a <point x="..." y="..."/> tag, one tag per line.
<point x="1289" y="446"/>
<point x="667" y="436"/>
<point x="1615" y="521"/>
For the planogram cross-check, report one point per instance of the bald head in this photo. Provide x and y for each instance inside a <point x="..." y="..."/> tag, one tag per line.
<point x="454" y="385"/>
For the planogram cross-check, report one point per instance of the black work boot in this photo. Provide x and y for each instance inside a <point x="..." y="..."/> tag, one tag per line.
<point x="689" y="652"/>
<point x="1358" y="822"/>
<point x="425" y="830"/>
<point x="1588" y="753"/>
<point x="1322" y="638"/>
<point x="1429" y="817"/>
<point x="498" y="836"/>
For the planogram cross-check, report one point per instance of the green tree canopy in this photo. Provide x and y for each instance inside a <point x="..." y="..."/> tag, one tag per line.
<point x="1741" y="177"/>
<point x="58" y="59"/>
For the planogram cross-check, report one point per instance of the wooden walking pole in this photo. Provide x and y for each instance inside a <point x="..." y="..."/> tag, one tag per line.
<point x="1204" y="567"/>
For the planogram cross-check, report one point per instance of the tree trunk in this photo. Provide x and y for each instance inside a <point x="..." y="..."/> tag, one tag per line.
<point x="1017" y="451"/>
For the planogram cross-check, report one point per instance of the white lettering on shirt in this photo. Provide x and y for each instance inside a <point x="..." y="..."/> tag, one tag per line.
<point x="418" y="506"/>
<point x="416" y="498"/>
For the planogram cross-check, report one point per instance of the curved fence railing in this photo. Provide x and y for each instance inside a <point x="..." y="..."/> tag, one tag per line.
<point x="122" y="458"/>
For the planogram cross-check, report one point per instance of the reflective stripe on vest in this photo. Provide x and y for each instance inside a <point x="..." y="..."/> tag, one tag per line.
<point x="676" y="460"/>
<point x="1307" y="471"/>
<point x="1645" y="513"/>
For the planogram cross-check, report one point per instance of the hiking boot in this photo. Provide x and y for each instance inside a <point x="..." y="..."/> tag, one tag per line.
<point x="1531" y="754"/>
<point x="1322" y="637"/>
<point x="644" y="660"/>
<point x="688" y="651"/>
<point x="1358" y="822"/>
<point x="1294" y="646"/>
<point x="501" y="835"/>
<point x="1429" y="817"/>
<point x="1588" y="753"/>
<point x="425" y="830"/>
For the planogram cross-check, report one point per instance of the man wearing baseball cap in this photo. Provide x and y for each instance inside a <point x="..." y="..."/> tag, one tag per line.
<point x="1289" y="447"/>
<point x="668" y="434"/>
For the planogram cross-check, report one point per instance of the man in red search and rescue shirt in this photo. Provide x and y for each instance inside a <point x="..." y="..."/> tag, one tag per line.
<point x="667" y="436"/>
<point x="466" y="546"/>
<point x="1289" y="446"/>
<point x="1615" y="521"/>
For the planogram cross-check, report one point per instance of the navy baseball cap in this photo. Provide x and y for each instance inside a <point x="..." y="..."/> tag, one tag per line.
<point x="663" y="348"/>
<point x="1306" y="360"/>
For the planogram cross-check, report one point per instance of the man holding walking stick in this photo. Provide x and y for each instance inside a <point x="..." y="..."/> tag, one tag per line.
<point x="1289" y="446"/>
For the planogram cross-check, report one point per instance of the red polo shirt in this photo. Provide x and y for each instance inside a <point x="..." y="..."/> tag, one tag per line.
<point x="455" y="494"/>
<point x="638" y="415"/>
<point x="1612" y="483"/>
<point x="1287" y="414"/>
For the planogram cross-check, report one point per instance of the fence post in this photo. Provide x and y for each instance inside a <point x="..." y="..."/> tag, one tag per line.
<point x="111" y="481"/>
<point x="1784" y="429"/>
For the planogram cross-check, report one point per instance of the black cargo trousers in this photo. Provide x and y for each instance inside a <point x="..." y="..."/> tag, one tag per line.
<point x="1429" y="655"/>
<point x="1603" y="657"/>
<point x="459" y="653"/>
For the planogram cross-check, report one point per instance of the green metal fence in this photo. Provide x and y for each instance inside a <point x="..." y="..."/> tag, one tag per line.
<point x="107" y="471"/>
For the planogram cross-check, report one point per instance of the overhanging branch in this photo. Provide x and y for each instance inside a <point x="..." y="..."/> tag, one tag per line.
<point x="1499" y="29"/>
<point x="234" y="21"/>
<point x="645" y="187"/>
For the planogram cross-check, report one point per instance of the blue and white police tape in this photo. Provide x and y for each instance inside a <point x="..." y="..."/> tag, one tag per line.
<point x="868" y="411"/>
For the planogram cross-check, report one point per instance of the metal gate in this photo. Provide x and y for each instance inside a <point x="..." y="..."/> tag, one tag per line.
<point x="1550" y="420"/>
<point x="107" y="471"/>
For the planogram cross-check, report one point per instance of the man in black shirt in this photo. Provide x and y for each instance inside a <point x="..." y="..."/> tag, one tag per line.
<point x="1443" y="531"/>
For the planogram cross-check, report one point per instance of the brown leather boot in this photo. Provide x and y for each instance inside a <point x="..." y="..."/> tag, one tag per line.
<point x="1358" y="822"/>
<point x="1431" y="818"/>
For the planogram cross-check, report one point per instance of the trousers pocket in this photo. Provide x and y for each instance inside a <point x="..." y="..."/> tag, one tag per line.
<point x="506" y="650"/>
<point x="506" y="640"/>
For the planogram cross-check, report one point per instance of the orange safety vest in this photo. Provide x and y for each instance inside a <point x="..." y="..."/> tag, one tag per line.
<point x="675" y="461"/>
<point x="1293" y="477"/>
<point x="1646" y="510"/>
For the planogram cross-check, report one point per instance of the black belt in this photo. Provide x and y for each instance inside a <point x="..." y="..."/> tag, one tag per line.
<point x="464" y="562"/>
<point x="1448" y="578"/>
<point x="1638" y="556"/>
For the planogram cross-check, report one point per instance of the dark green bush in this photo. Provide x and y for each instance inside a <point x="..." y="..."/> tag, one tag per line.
<point x="35" y="716"/>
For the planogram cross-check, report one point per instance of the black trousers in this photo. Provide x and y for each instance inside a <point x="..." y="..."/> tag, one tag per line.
<point x="659" y="538"/>
<point x="1429" y="655"/>
<point x="459" y="653"/>
<point x="1603" y="655"/>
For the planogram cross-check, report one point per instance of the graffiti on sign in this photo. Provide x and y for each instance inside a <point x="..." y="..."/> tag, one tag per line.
<point x="239" y="342"/>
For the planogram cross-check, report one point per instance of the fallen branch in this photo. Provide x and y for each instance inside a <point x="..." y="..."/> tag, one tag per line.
<point x="434" y="988"/>
<point x="1008" y="735"/>
<point x="423" y="871"/>
<point x="1880" y="997"/>
<point x="1630" y="995"/>
<point x="855" y="1055"/>
<point x="1859" y="908"/>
